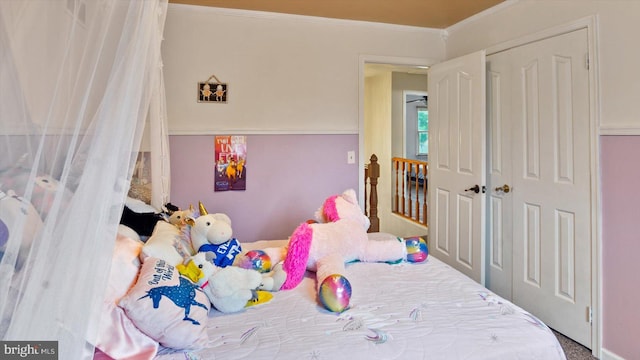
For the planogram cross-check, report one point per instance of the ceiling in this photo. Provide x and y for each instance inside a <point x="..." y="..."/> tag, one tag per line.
<point x="437" y="14"/>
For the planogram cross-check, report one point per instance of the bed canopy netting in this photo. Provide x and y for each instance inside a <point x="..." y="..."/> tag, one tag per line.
<point x="79" y="80"/>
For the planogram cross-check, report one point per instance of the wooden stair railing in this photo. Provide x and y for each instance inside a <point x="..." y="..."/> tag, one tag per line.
<point x="410" y="189"/>
<point x="371" y="175"/>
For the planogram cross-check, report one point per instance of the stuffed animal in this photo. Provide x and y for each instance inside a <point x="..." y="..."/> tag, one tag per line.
<point x="231" y="289"/>
<point x="212" y="233"/>
<point x="45" y="188"/>
<point x="167" y="242"/>
<point x="339" y="236"/>
<point x="142" y="223"/>
<point x="19" y="226"/>
<point x="179" y="217"/>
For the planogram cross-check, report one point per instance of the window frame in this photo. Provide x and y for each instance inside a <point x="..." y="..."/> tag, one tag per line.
<point x="419" y="132"/>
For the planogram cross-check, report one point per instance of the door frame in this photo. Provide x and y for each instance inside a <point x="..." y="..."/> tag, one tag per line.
<point x="590" y="23"/>
<point x="377" y="59"/>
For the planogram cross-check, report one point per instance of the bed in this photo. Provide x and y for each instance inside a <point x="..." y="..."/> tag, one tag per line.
<point x="410" y="311"/>
<point x="405" y="310"/>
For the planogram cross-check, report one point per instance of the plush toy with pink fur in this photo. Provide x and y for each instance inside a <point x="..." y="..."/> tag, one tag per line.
<point x="339" y="237"/>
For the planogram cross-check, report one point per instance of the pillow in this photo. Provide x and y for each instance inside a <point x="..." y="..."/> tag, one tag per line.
<point x="19" y="222"/>
<point x="381" y="236"/>
<point x="139" y="206"/>
<point x="118" y="337"/>
<point x="167" y="307"/>
<point x="44" y="190"/>
<point x="128" y="232"/>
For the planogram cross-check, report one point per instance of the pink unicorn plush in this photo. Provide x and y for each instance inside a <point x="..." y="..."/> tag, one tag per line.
<point x="339" y="237"/>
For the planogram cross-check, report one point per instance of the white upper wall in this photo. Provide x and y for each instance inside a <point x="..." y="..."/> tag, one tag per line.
<point x="285" y="73"/>
<point x="617" y="28"/>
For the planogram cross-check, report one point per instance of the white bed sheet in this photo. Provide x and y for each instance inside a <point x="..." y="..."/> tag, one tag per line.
<point x="425" y="311"/>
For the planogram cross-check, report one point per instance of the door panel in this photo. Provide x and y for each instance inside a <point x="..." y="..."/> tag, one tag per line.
<point x="457" y="131"/>
<point x="531" y="250"/>
<point x="464" y="241"/>
<point x="441" y="222"/>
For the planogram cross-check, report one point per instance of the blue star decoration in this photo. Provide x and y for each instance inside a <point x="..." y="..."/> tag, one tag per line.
<point x="183" y="295"/>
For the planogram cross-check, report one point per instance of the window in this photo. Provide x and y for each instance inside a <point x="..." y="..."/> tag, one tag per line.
<point x="423" y="130"/>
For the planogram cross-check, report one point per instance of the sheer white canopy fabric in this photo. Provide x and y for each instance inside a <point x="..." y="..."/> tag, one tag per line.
<point x="78" y="81"/>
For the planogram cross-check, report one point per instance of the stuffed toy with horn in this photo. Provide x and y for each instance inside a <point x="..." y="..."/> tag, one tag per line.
<point x="338" y="237"/>
<point x="211" y="233"/>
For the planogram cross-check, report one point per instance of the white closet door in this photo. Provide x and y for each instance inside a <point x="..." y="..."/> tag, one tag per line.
<point x="547" y="142"/>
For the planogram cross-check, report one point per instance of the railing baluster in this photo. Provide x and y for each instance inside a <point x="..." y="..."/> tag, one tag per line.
<point x="424" y="193"/>
<point x="396" y="205"/>
<point x="374" y="174"/>
<point x="410" y="190"/>
<point x="417" y="191"/>
<point x="404" y="198"/>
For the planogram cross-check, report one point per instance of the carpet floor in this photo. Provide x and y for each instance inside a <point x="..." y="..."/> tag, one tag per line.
<point x="573" y="350"/>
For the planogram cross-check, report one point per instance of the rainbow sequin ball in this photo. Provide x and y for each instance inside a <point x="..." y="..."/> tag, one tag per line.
<point x="256" y="260"/>
<point x="335" y="293"/>
<point x="417" y="250"/>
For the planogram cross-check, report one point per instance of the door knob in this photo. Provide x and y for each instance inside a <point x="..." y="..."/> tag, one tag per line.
<point x="475" y="189"/>
<point x="504" y="188"/>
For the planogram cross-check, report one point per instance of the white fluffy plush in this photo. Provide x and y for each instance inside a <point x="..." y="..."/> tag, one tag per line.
<point x="166" y="243"/>
<point x="230" y="288"/>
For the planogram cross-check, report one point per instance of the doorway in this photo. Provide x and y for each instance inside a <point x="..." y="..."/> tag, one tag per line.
<point x="382" y="127"/>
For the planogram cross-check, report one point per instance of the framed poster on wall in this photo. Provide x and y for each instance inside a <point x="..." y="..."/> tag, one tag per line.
<point x="230" y="163"/>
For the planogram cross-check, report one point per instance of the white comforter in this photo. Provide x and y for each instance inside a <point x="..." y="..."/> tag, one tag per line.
<point x="403" y="311"/>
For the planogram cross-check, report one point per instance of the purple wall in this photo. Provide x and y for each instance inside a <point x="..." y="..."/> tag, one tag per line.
<point x="620" y="175"/>
<point x="288" y="178"/>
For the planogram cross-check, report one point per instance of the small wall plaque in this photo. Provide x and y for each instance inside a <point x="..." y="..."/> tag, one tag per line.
<point x="212" y="92"/>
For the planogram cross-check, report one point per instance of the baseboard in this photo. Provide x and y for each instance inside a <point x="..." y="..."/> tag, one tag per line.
<point x="609" y="355"/>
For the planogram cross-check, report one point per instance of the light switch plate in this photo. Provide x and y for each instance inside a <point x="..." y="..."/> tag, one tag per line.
<point x="351" y="157"/>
